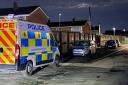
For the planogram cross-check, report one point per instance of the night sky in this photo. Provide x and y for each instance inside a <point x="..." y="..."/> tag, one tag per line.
<point x="108" y="13"/>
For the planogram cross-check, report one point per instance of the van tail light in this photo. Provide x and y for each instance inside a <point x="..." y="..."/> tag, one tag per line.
<point x="17" y="51"/>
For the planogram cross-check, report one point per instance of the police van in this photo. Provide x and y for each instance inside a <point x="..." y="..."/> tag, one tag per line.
<point x="27" y="45"/>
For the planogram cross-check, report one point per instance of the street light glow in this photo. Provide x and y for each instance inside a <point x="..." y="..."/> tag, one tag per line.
<point x="124" y="30"/>
<point x="114" y="28"/>
<point x="114" y="31"/>
<point x="60" y="14"/>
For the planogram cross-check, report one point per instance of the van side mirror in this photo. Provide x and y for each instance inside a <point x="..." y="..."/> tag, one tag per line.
<point x="55" y="43"/>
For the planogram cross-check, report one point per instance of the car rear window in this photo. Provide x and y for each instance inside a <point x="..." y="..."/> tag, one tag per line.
<point x="82" y="43"/>
<point x="112" y="41"/>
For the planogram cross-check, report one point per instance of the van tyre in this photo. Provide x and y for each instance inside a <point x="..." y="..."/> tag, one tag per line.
<point x="29" y="68"/>
<point x="57" y="61"/>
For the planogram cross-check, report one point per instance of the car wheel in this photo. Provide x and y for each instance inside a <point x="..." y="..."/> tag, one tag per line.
<point x="116" y="46"/>
<point x="89" y="55"/>
<point x="29" y="68"/>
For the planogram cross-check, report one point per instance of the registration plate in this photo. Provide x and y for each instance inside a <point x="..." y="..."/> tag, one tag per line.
<point x="109" y="46"/>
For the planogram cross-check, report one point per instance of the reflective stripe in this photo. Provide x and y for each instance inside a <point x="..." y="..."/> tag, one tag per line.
<point x="6" y="39"/>
<point x="44" y="42"/>
<point x="31" y="42"/>
<point x="49" y="49"/>
<point x="7" y="42"/>
<point x="44" y="57"/>
<point x="24" y="51"/>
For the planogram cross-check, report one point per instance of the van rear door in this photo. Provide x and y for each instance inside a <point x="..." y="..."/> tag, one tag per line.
<point x="7" y="42"/>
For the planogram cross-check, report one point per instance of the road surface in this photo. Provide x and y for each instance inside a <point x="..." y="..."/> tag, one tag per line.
<point x="108" y="67"/>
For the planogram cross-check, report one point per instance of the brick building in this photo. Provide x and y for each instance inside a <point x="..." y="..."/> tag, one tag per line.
<point x="75" y="26"/>
<point x="31" y="13"/>
<point x="71" y="26"/>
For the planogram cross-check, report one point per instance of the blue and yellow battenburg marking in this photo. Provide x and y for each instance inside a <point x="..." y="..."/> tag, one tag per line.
<point x="36" y="39"/>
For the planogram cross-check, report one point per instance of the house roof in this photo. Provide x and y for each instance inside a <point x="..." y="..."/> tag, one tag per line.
<point x="17" y="11"/>
<point x="67" y="23"/>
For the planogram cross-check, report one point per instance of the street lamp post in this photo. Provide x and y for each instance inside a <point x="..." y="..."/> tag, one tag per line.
<point x="114" y="29"/>
<point x="60" y="35"/>
<point x="90" y="21"/>
<point x="59" y="21"/>
<point x="99" y="29"/>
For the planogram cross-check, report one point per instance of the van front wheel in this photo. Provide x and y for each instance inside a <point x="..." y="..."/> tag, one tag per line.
<point x="57" y="61"/>
<point x="29" y="68"/>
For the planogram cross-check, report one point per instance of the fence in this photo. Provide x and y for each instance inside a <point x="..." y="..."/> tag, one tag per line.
<point x="66" y="39"/>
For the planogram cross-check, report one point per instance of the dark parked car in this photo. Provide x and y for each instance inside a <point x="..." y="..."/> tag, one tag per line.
<point x="112" y="44"/>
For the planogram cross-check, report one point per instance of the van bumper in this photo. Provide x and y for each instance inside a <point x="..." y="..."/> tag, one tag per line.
<point x="12" y="67"/>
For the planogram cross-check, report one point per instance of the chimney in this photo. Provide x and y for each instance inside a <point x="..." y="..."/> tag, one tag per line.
<point x="15" y="5"/>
